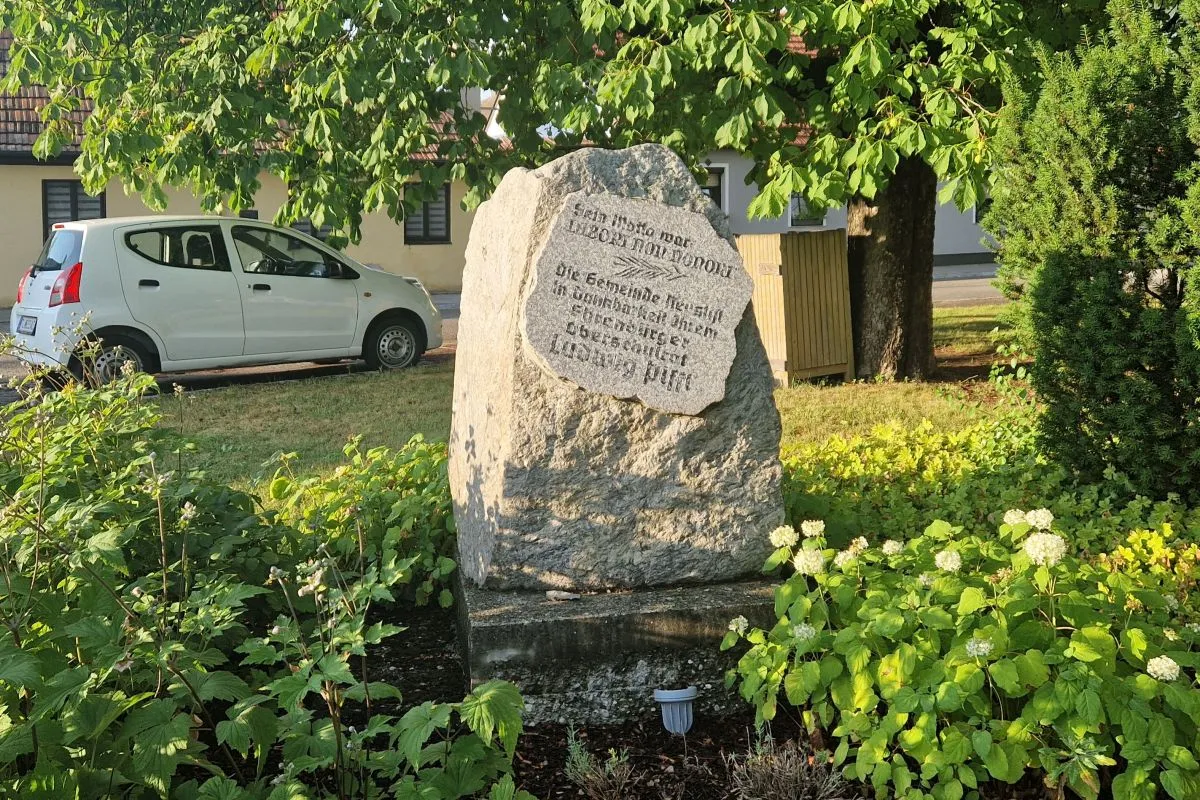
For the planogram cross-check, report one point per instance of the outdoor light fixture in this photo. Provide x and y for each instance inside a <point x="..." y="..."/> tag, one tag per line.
<point x="676" y="708"/>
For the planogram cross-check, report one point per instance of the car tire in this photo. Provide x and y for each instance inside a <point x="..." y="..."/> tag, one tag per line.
<point x="106" y="365"/>
<point x="393" y="342"/>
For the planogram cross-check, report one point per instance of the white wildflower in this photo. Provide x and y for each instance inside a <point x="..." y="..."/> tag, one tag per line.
<point x="275" y="574"/>
<point x="1172" y="602"/>
<point x="859" y="545"/>
<point x="136" y="591"/>
<point x="1014" y="516"/>
<point x="1162" y="668"/>
<point x="1046" y="548"/>
<point x="739" y="625"/>
<point x="978" y="648"/>
<point x="276" y="630"/>
<point x="1170" y="635"/>
<point x="948" y="560"/>
<point x="892" y="548"/>
<point x="1040" y="518"/>
<point x="809" y="562"/>
<point x="844" y="559"/>
<point x="189" y="512"/>
<point x="812" y="527"/>
<point x="803" y="632"/>
<point x="926" y="579"/>
<point x="1194" y="628"/>
<point x="784" y="536"/>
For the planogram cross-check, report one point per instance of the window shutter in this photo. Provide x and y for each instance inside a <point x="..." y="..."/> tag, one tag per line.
<point x="414" y="226"/>
<point x="88" y="207"/>
<point x="438" y="222"/>
<point x="58" y="202"/>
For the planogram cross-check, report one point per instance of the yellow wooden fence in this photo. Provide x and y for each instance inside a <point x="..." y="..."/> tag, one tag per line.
<point x="802" y="301"/>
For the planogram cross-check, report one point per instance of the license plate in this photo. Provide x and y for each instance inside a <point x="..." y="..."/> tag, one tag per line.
<point x="27" y="325"/>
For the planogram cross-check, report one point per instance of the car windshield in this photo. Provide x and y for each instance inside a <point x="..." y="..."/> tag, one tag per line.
<point x="61" y="249"/>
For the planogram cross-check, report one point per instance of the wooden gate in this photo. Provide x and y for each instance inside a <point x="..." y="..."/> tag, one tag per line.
<point x="802" y="302"/>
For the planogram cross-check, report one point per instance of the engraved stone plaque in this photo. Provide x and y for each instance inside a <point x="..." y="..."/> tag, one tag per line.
<point x="637" y="299"/>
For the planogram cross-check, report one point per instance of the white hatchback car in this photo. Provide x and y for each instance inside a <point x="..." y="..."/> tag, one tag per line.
<point x="181" y="293"/>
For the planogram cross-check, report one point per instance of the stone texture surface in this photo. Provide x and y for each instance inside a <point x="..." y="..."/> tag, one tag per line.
<point x="635" y="298"/>
<point x="598" y="660"/>
<point x="559" y="487"/>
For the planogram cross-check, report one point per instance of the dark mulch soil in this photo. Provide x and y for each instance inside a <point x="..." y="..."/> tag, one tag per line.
<point x="424" y="663"/>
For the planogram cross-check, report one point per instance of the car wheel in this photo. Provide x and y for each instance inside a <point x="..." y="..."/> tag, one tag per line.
<point x="393" y="343"/>
<point x="109" y="362"/>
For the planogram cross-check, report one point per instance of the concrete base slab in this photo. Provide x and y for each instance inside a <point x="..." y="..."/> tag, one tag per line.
<point x="598" y="659"/>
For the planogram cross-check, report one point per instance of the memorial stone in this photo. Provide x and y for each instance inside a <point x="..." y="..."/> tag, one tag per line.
<point x="614" y="425"/>
<point x="633" y="298"/>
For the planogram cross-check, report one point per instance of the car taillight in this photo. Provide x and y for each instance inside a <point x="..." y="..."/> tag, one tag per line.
<point x="21" y="285"/>
<point x="66" y="286"/>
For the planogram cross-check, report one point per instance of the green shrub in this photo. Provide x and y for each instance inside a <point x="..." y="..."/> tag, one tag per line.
<point x="1093" y="243"/>
<point x="966" y="655"/>
<point x="165" y="638"/>
<point x="381" y="504"/>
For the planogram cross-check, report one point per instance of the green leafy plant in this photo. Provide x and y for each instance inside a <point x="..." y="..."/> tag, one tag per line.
<point x="392" y="505"/>
<point x="165" y="637"/>
<point x="968" y="655"/>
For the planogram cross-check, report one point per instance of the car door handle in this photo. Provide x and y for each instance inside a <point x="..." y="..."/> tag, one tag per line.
<point x="261" y="287"/>
<point x="147" y="284"/>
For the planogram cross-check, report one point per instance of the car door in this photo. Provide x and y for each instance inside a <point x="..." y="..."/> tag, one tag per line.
<point x="178" y="281"/>
<point x="296" y="298"/>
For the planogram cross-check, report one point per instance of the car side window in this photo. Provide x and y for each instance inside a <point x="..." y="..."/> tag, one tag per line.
<point x="266" y="252"/>
<point x="183" y="246"/>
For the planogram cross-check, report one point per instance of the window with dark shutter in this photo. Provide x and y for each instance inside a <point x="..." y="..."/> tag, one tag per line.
<point x="430" y="224"/>
<point x="714" y="186"/>
<point x="305" y="226"/>
<point x="65" y="201"/>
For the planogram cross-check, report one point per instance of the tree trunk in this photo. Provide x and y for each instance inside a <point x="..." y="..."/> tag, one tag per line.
<point x="891" y="275"/>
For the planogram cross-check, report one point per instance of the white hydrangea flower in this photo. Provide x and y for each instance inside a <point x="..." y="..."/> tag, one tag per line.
<point x="1172" y="602"/>
<point x="926" y="579"/>
<point x="844" y="559"/>
<point x="812" y="527"/>
<point x="948" y="560"/>
<point x="892" y="548"/>
<point x="803" y="632"/>
<point x="809" y="562"/>
<point x="1162" y="668"/>
<point x="1046" y="548"/>
<point x="1040" y="518"/>
<point x="859" y="545"/>
<point x="1194" y="628"/>
<point x="784" y="536"/>
<point x="978" y="648"/>
<point x="1014" y="516"/>
<point x="739" y="625"/>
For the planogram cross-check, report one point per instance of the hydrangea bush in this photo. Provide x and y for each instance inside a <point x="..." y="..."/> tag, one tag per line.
<point x="971" y="655"/>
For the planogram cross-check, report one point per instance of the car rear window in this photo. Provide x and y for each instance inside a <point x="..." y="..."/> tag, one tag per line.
<point x="62" y="249"/>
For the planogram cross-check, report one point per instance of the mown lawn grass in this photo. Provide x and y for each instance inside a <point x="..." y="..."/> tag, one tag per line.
<point x="238" y="430"/>
<point x="967" y="329"/>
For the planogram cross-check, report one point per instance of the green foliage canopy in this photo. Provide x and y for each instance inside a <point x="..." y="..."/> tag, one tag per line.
<point x="349" y="102"/>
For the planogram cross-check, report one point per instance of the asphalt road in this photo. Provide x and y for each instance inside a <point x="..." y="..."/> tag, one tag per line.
<point x="965" y="286"/>
<point x="952" y="286"/>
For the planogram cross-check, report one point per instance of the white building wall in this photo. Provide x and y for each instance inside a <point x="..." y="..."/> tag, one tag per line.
<point x="957" y="238"/>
